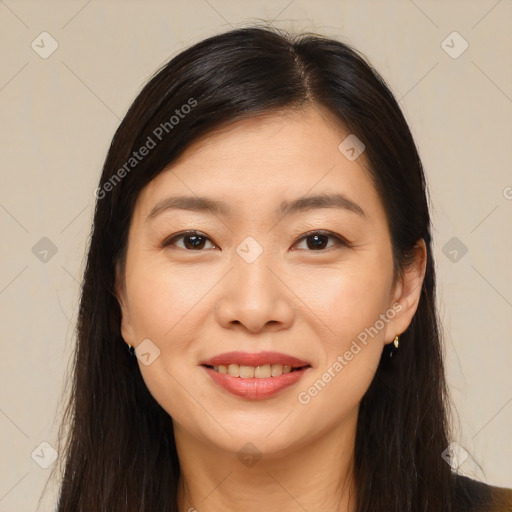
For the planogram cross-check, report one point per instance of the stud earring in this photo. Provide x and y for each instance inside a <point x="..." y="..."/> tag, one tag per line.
<point x="394" y="348"/>
<point x="131" y="350"/>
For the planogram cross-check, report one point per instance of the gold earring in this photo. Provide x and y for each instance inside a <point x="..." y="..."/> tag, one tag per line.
<point x="395" y="341"/>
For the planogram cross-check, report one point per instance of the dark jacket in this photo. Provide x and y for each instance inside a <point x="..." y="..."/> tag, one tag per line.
<point x="474" y="496"/>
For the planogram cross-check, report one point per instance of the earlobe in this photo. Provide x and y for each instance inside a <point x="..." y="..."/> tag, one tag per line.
<point x="408" y="291"/>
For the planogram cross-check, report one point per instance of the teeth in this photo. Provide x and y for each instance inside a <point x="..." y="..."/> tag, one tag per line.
<point x="277" y="369"/>
<point x="233" y="370"/>
<point x="246" y="371"/>
<point x="263" y="372"/>
<point x="260" y="372"/>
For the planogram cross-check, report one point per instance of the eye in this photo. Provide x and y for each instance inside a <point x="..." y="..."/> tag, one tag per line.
<point x="192" y="240"/>
<point x="318" y="240"/>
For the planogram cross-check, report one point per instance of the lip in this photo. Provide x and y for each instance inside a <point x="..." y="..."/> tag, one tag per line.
<point x="259" y="359"/>
<point x="254" y="388"/>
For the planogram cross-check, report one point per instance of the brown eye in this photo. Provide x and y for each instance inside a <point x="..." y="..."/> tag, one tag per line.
<point x="318" y="240"/>
<point x="192" y="241"/>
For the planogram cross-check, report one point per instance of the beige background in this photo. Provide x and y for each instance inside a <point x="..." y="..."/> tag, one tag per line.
<point x="59" y="114"/>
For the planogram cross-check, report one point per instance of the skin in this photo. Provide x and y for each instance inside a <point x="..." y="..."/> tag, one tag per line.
<point x="311" y="304"/>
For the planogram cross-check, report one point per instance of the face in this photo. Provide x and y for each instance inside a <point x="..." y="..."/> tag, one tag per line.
<point x="293" y="272"/>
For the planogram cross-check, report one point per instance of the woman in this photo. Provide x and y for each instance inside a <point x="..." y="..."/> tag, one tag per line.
<point x="261" y="246"/>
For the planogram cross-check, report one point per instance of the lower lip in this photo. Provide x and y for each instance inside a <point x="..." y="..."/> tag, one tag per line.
<point x="253" y="388"/>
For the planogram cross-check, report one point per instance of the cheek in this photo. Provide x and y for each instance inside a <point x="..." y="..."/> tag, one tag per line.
<point x="347" y="300"/>
<point x="350" y="305"/>
<point x="164" y="305"/>
<point x="163" y="300"/>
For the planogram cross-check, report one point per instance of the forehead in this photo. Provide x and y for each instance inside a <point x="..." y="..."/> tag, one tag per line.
<point x="274" y="138"/>
<point x="258" y="162"/>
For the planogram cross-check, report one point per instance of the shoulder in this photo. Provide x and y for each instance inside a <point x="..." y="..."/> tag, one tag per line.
<point x="474" y="496"/>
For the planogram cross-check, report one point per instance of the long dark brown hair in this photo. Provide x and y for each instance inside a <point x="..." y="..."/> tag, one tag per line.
<point x="117" y="444"/>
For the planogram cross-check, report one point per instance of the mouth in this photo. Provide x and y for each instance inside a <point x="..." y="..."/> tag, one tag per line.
<point x="255" y="376"/>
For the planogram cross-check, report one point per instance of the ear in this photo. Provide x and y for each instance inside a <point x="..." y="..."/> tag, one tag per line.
<point x="127" y="331"/>
<point x="407" y="292"/>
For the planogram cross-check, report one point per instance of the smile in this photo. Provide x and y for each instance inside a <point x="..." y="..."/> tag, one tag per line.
<point x="255" y="376"/>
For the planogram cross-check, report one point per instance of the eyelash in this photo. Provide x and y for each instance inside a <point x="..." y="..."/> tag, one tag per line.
<point x="339" y="240"/>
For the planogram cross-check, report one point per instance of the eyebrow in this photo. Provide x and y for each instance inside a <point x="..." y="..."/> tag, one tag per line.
<point x="220" y="208"/>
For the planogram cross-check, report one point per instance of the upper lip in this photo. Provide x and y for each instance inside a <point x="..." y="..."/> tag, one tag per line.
<point x="255" y="359"/>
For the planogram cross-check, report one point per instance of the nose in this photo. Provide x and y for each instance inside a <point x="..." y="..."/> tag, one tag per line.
<point x="255" y="297"/>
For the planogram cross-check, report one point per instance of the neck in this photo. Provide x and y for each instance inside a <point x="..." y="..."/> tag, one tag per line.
<point x="313" y="477"/>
